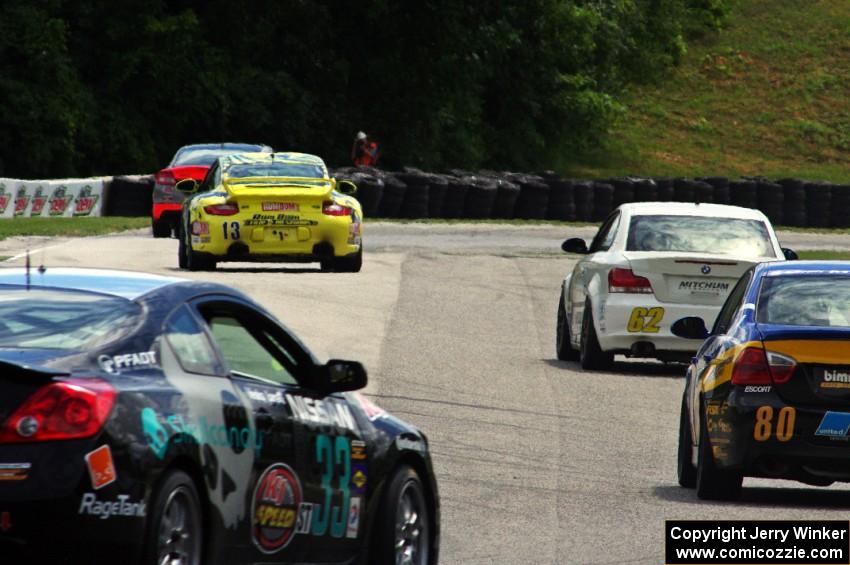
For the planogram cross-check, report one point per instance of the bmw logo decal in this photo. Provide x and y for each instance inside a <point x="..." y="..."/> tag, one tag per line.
<point x="705" y="269"/>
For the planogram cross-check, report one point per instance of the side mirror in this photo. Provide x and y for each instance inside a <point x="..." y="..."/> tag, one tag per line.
<point x="692" y="327"/>
<point x="575" y="245"/>
<point x="187" y="186"/>
<point x="338" y="376"/>
<point x="790" y="254"/>
<point x="346" y="187"/>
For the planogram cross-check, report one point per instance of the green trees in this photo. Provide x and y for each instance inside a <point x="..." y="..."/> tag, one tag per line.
<point x="98" y="87"/>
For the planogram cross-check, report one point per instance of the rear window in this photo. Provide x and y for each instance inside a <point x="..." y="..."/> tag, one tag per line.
<point x="700" y="234"/>
<point x="56" y="319"/>
<point x="805" y="300"/>
<point x="276" y="169"/>
<point x="207" y="156"/>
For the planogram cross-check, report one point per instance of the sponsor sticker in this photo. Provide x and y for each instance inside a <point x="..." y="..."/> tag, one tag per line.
<point x="21" y="200"/>
<point x="58" y="201"/>
<point x="834" y="424"/>
<point x="701" y="286"/>
<point x="353" y="517"/>
<point x="5" y="198"/>
<point x="85" y="201"/>
<point x="14" y="471"/>
<point x="280" y="207"/>
<point x="264" y="396"/>
<point x="358" y="450"/>
<point x="38" y="201"/>
<point x="315" y="412"/>
<point x="834" y="378"/>
<point x="275" y="507"/>
<point x="761" y="388"/>
<point x="114" y="363"/>
<point x="305" y="518"/>
<point x="359" y="478"/>
<point x="122" y="506"/>
<point x="158" y="430"/>
<point x="101" y="467"/>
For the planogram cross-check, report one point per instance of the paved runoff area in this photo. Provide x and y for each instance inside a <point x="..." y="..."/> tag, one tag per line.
<point x="537" y="461"/>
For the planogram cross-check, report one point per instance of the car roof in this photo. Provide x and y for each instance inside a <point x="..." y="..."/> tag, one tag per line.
<point x="124" y="284"/>
<point x="250" y="147"/>
<point x="784" y="268"/>
<point x="691" y="209"/>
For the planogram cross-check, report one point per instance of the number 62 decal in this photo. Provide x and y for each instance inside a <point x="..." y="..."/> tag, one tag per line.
<point x="645" y="319"/>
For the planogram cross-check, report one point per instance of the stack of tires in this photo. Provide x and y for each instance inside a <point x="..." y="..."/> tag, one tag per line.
<point x="794" y="207"/>
<point x="129" y="195"/>
<point x="818" y="203"/>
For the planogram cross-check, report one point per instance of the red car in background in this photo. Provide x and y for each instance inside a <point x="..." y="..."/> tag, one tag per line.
<point x="190" y="162"/>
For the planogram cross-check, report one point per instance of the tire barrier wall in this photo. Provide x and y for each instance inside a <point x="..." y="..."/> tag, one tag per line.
<point x="486" y="194"/>
<point x="459" y="194"/>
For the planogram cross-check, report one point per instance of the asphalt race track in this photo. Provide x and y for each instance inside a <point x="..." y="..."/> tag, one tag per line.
<point x="537" y="460"/>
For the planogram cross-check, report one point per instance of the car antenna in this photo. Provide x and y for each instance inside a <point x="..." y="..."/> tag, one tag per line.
<point x="27" y="266"/>
<point x="42" y="268"/>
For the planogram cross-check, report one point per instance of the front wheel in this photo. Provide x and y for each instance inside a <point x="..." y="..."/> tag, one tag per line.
<point x="175" y="532"/>
<point x="590" y="354"/>
<point x="403" y="526"/>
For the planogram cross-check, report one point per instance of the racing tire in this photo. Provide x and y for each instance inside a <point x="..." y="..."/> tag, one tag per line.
<point x="562" y="336"/>
<point x="181" y="249"/>
<point x="685" y="470"/>
<point x="194" y="261"/>
<point x="175" y="530"/>
<point x="713" y="483"/>
<point x="347" y="264"/>
<point x="161" y="228"/>
<point x="591" y="355"/>
<point x="403" y="523"/>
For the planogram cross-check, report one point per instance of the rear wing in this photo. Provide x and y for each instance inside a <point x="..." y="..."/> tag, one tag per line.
<point x="277" y="181"/>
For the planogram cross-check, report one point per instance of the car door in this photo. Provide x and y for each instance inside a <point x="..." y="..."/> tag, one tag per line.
<point x="589" y="267"/>
<point x="303" y="507"/>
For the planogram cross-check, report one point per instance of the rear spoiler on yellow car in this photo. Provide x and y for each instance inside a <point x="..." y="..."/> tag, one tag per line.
<point x="260" y="186"/>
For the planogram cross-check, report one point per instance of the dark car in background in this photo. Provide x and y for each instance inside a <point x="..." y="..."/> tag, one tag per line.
<point x="147" y="419"/>
<point x="768" y="392"/>
<point x="190" y="162"/>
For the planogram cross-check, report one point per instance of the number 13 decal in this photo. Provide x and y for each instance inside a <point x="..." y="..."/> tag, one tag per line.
<point x="332" y="452"/>
<point x="234" y="230"/>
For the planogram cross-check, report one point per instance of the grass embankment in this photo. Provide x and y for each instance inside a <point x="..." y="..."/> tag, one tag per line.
<point x="765" y="96"/>
<point x="71" y="227"/>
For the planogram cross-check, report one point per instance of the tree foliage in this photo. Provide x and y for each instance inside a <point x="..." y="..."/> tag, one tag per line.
<point x="98" y="87"/>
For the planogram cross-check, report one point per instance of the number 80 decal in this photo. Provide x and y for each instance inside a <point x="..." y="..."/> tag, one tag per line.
<point x="645" y="320"/>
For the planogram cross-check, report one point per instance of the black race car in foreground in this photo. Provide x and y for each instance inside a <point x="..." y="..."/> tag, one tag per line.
<point x="162" y="421"/>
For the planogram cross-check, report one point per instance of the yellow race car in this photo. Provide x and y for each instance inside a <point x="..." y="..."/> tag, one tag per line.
<point x="270" y="207"/>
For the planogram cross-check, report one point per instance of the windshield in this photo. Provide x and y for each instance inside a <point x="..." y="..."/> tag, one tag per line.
<point x="206" y="156"/>
<point x="700" y="234"/>
<point x="275" y="169"/>
<point x="56" y="319"/>
<point x="805" y="300"/>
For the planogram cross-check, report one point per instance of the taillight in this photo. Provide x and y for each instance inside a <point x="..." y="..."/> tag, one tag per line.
<point x="222" y="209"/>
<point x="751" y="368"/>
<point x="165" y="181"/>
<point x="781" y="367"/>
<point x="624" y="280"/>
<point x="330" y="208"/>
<point x="71" y="409"/>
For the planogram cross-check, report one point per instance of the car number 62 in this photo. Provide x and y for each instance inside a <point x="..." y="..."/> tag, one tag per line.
<point x="645" y="319"/>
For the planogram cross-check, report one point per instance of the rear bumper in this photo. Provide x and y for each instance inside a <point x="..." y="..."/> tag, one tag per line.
<point x="168" y="208"/>
<point x="626" y="322"/>
<point x="781" y="441"/>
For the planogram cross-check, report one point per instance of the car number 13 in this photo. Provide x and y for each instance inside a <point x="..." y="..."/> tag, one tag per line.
<point x="233" y="231"/>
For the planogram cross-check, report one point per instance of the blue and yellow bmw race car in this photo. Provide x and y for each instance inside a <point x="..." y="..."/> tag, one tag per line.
<point x="270" y="207"/>
<point x="768" y="393"/>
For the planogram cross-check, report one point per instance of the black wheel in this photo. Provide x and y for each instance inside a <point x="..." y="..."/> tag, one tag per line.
<point x="347" y="264"/>
<point x="194" y="261"/>
<point x="685" y="469"/>
<point x="161" y="228"/>
<point x="590" y="354"/>
<point x="403" y="524"/>
<point x="181" y="249"/>
<point x="562" y="335"/>
<point x="175" y="533"/>
<point x="713" y="483"/>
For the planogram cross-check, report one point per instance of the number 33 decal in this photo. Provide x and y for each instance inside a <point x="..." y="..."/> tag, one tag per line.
<point x="645" y="320"/>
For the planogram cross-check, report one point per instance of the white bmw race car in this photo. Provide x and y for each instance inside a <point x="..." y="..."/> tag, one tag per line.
<point x="650" y="264"/>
